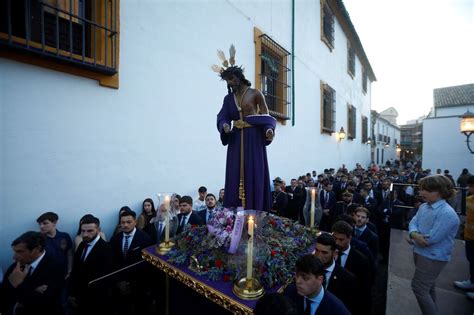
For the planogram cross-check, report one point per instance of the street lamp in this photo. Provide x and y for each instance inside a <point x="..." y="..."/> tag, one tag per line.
<point x="341" y="134"/>
<point x="398" y="148"/>
<point x="369" y="140"/>
<point x="467" y="127"/>
<point x="386" y="145"/>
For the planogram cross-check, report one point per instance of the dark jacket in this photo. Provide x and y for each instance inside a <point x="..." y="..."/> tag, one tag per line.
<point x="330" y="304"/>
<point x="48" y="272"/>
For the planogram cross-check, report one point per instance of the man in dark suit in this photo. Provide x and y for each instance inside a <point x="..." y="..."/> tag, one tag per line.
<point x="354" y="261"/>
<point x="327" y="199"/>
<point x="93" y="259"/>
<point x="127" y="248"/>
<point x="308" y="293"/>
<point x="363" y="232"/>
<point x="279" y="198"/>
<point x="295" y="204"/>
<point x="160" y="225"/>
<point x="33" y="284"/>
<point x="338" y="281"/>
<point x="186" y="215"/>
<point x="207" y="213"/>
<point x="367" y="201"/>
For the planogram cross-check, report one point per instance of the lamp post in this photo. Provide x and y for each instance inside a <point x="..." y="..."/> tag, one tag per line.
<point x="341" y="134"/>
<point x="467" y="127"/>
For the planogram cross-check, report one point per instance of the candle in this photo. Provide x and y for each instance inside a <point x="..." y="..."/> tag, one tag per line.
<point x="167" y="219"/>
<point x="313" y="201"/>
<point x="250" y="249"/>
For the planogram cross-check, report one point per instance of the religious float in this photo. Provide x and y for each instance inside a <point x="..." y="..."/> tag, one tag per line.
<point x="236" y="258"/>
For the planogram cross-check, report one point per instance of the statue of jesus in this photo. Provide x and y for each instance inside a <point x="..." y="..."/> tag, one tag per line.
<point x="246" y="128"/>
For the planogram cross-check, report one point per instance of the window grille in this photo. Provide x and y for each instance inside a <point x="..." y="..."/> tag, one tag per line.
<point x="364" y="81"/>
<point x="275" y="77"/>
<point x="350" y="60"/>
<point x="79" y="32"/>
<point x="328" y="109"/>
<point x="328" y="25"/>
<point x="351" y="122"/>
<point x="365" y="128"/>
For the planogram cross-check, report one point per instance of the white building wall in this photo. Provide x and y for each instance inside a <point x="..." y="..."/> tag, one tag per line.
<point x="444" y="146"/>
<point x="73" y="147"/>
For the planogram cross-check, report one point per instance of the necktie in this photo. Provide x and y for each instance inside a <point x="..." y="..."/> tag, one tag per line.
<point x="339" y="260"/>
<point x="30" y="271"/>
<point x="326" y="279"/>
<point x="358" y="232"/>
<point x="307" y="310"/>
<point x="125" y="246"/>
<point x="84" y="252"/>
<point x="183" y="219"/>
<point x="209" y="216"/>
<point x="160" y="228"/>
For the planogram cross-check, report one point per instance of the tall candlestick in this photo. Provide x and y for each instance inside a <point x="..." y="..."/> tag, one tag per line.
<point x="313" y="202"/>
<point x="250" y="249"/>
<point x="167" y="219"/>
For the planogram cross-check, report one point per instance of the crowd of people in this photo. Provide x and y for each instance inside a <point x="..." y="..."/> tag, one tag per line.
<point x="55" y="274"/>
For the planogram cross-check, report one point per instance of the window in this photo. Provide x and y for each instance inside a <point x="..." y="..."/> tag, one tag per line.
<point x="272" y="75"/>
<point x="327" y="25"/>
<point x="76" y="36"/>
<point x="364" y="81"/>
<point x="350" y="60"/>
<point x="365" y="129"/>
<point x="351" y="122"/>
<point x="328" y="109"/>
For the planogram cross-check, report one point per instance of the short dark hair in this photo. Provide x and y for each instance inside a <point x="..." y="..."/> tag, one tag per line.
<point x="127" y="213"/>
<point x="437" y="183"/>
<point x="343" y="227"/>
<point x="310" y="264"/>
<point x="274" y="304"/>
<point x="346" y="217"/>
<point x="363" y="209"/>
<point x="51" y="216"/>
<point x="327" y="239"/>
<point x="210" y="195"/>
<point x="90" y="219"/>
<point x="470" y="180"/>
<point x="31" y="239"/>
<point x="202" y="189"/>
<point x="186" y="199"/>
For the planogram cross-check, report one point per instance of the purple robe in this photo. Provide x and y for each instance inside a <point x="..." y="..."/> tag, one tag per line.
<point x="256" y="174"/>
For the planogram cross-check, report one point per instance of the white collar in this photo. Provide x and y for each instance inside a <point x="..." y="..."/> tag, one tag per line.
<point x="331" y="268"/>
<point x="131" y="233"/>
<point x="36" y="262"/>
<point x="347" y="250"/>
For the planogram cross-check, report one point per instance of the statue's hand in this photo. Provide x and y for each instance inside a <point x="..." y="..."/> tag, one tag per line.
<point x="269" y="135"/>
<point x="226" y="128"/>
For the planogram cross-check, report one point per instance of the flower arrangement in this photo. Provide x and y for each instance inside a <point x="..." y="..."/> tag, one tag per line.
<point x="279" y="242"/>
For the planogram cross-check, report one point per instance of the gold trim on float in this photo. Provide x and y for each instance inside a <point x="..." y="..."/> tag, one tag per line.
<point x="209" y="293"/>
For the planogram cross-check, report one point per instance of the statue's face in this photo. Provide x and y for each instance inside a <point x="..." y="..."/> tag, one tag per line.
<point x="233" y="83"/>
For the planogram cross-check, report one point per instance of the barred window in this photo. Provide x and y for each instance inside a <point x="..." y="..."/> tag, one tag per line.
<point x="350" y="60"/>
<point x="365" y="129"/>
<point x="364" y="81"/>
<point x="81" y="33"/>
<point x="273" y="75"/>
<point x="327" y="25"/>
<point x="328" y="109"/>
<point x="351" y="122"/>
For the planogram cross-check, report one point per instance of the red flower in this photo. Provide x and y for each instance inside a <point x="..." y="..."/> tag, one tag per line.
<point x="274" y="252"/>
<point x="272" y="222"/>
<point x="218" y="263"/>
<point x="226" y="278"/>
